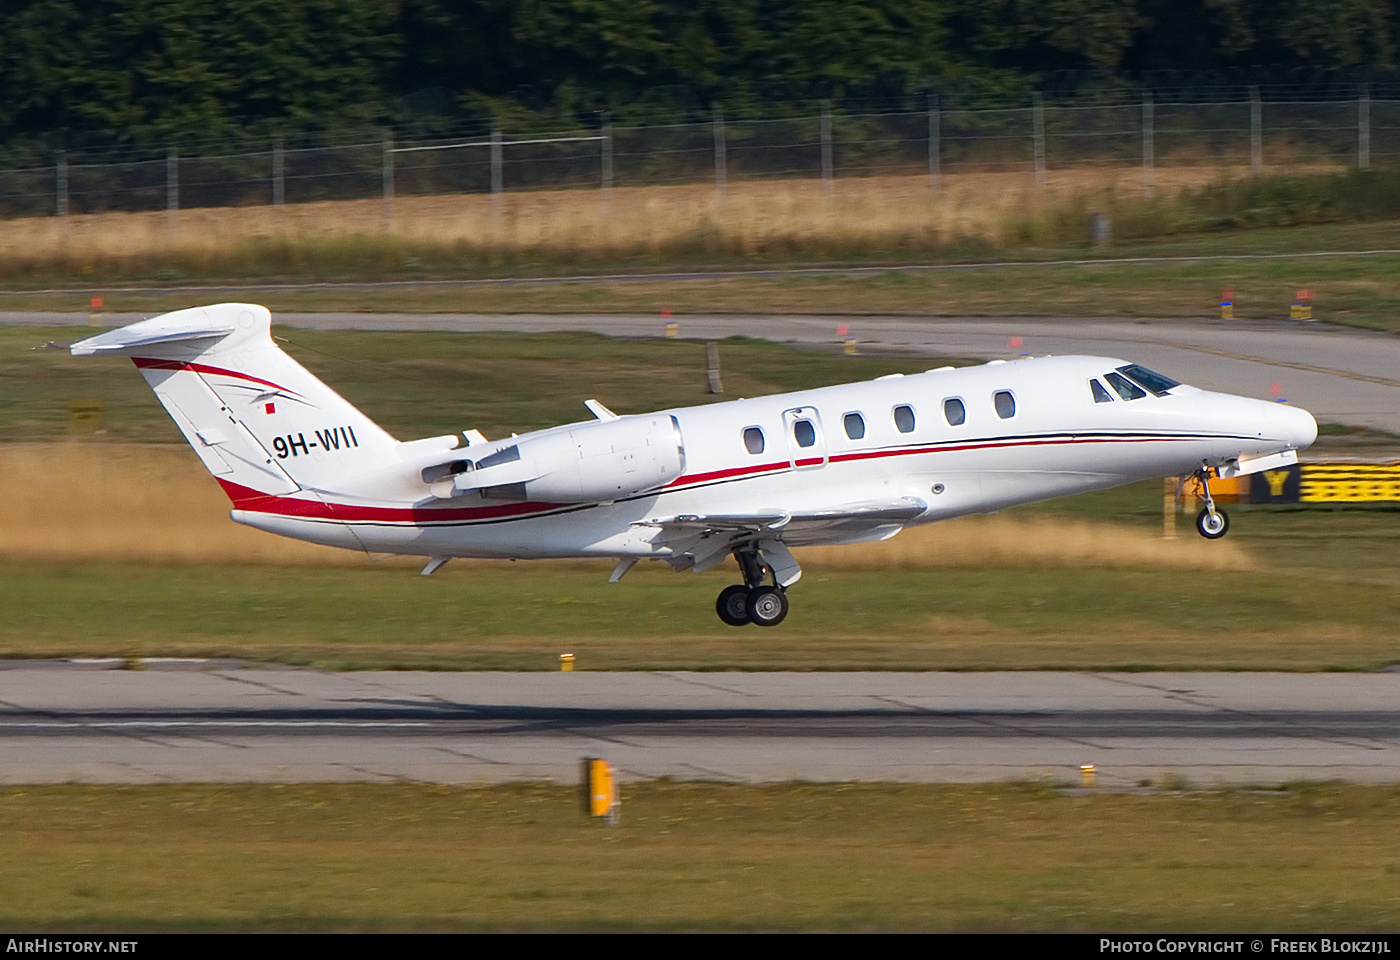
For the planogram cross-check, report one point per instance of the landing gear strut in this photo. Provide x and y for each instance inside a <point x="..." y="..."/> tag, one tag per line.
<point x="752" y="601"/>
<point x="1210" y="522"/>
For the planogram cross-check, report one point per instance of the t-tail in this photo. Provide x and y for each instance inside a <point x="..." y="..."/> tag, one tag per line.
<point x="260" y="422"/>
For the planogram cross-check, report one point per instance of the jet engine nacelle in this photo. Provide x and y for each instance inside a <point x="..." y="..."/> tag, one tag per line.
<point x="588" y="462"/>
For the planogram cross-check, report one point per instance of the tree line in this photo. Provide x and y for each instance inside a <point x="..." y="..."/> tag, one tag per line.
<point x="89" y="73"/>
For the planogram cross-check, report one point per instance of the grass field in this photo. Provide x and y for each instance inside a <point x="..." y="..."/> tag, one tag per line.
<point x="372" y="857"/>
<point x="49" y="264"/>
<point x="1296" y="591"/>
<point x="1355" y="290"/>
<point x="767" y="219"/>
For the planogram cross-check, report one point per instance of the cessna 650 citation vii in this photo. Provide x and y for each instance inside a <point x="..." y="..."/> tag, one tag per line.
<point x="694" y="485"/>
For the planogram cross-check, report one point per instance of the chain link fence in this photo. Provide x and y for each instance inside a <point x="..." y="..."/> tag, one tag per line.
<point x="1246" y="132"/>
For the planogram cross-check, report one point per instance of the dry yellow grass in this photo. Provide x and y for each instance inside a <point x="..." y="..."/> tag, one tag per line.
<point x="1001" y="540"/>
<point x="116" y="502"/>
<point x="113" y="502"/>
<point x="751" y="216"/>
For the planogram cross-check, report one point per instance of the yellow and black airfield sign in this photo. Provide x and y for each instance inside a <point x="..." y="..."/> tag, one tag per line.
<point x="1349" y="483"/>
<point x="1276" y="486"/>
<point x="1327" y="483"/>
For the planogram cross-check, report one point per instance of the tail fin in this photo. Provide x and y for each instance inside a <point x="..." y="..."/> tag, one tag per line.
<point x="260" y="422"/>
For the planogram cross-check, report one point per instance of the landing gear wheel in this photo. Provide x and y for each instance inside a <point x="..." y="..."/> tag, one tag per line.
<point x="767" y="606"/>
<point x="1212" y="524"/>
<point x="733" y="605"/>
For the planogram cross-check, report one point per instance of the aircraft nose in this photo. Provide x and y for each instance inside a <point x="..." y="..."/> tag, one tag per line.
<point x="1294" y="425"/>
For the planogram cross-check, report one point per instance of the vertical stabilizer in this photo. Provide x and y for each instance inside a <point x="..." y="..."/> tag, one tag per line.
<point x="260" y="422"/>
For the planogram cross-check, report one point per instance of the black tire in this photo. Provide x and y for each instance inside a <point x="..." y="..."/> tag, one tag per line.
<point x="1212" y="526"/>
<point x="767" y="606"/>
<point x="733" y="605"/>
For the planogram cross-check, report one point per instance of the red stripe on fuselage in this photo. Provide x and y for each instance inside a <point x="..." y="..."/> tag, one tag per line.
<point x="153" y="364"/>
<point x="739" y="473"/>
<point x="246" y="498"/>
<point x="313" y="508"/>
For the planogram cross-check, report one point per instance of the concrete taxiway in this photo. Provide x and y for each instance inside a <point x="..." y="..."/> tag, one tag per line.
<point x="176" y="721"/>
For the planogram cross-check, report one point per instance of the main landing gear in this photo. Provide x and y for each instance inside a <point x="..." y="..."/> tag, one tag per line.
<point x="1210" y="522"/>
<point x="752" y="601"/>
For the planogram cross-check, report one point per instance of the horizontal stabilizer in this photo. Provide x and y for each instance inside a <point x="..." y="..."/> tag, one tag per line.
<point x="198" y="323"/>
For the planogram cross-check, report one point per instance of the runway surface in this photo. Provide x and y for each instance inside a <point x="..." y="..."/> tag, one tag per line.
<point x="1340" y="374"/>
<point x="208" y="722"/>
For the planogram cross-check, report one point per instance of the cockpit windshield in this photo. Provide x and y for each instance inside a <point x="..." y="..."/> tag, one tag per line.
<point x="1155" y="382"/>
<point x="1124" y="387"/>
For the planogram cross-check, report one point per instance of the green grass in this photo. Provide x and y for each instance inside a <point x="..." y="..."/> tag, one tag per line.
<point x="1323" y="600"/>
<point x="1358" y="291"/>
<point x="373" y="857"/>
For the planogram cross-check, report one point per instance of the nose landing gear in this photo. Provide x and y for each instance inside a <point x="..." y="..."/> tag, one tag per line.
<point x="1212" y="526"/>
<point x="1210" y="522"/>
<point x="752" y="601"/>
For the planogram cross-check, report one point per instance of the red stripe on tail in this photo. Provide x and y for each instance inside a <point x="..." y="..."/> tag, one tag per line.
<point x="153" y="364"/>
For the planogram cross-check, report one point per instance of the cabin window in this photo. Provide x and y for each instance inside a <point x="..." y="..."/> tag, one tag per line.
<point x="904" y="418"/>
<point x="753" y="440"/>
<point x="804" y="433"/>
<point x="1005" y="404"/>
<point x="1100" y="394"/>
<point x="954" y="412"/>
<point x="1152" y="380"/>
<point x="855" y="426"/>
<point x="1124" y="387"/>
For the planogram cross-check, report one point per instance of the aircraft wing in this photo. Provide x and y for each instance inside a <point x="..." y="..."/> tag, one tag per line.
<point x="795" y="525"/>
<point x="699" y="541"/>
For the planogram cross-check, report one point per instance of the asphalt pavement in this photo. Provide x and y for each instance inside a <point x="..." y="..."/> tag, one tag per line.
<point x="199" y="721"/>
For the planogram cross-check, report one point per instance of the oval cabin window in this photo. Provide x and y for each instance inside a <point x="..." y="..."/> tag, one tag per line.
<point x="855" y="426"/>
<point x="904" y="419"/>
<point x="753" y="440"/>
<point x="954" y="412"/>
<point x="1005" y="404"/>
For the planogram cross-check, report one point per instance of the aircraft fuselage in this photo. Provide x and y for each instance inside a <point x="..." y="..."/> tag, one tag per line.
<point x="1057" y="441"/>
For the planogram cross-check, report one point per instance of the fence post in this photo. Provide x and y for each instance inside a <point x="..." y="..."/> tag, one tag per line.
<point x="61" y="185"/>
<point x="935" y="146"/>
<point x="607" y="159"/>
<point x="1148" y="146"/>
<point x="1363" y="129"/>
<point x="495" y="170"/>
<point x="172" y="188"/>
<point x="388" y="170"/>
<point x="1038" y="133"/>
<point x="1256" y="131"/>
<point x="721" y="174"/>
<point x="826" y="150"/>
<point x="279" y="174"/>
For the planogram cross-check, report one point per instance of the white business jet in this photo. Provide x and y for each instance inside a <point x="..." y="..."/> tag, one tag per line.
<point x="694" y="485"/>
